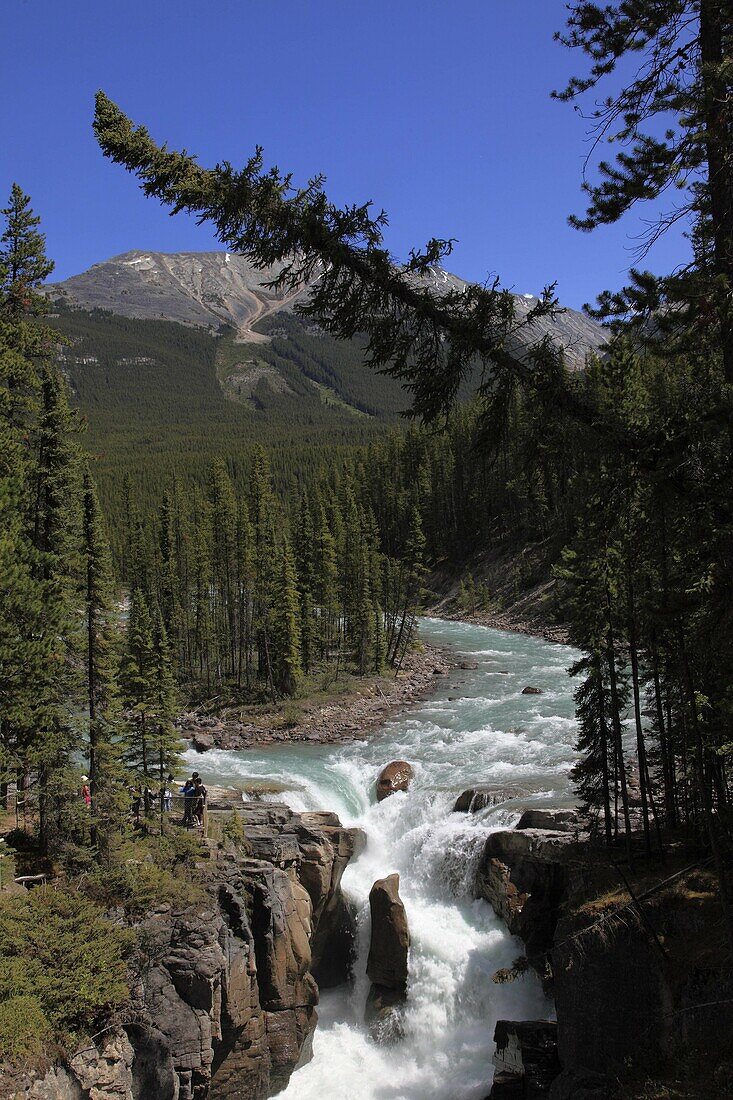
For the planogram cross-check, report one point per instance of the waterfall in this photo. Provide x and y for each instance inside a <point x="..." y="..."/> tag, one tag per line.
<point x="478" y="728"/>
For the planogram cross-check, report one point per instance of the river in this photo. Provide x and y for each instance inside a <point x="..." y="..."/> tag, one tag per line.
<point x="477" y="728"/>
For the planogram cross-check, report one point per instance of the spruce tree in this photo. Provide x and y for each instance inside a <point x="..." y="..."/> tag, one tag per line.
<point x="101" y="666"/>
<point x="284" y="635"/>
<point x="138" y="684"/>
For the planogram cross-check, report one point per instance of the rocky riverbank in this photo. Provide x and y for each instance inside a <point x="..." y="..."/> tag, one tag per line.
<point x="510" y="620"/>
<point x="345" y="717"/>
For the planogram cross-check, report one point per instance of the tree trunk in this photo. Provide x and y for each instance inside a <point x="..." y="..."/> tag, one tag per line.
<point x="707" y="805"/>
<point x="717" y="123"/>
<point x="640" y="745"/>
<point x="616" y="719"/>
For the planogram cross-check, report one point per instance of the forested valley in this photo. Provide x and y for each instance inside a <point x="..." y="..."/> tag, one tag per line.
<point x="255" y="567"/>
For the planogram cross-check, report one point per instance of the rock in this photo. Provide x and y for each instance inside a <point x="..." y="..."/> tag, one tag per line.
<point x="507" y="1086"/>
<point x="223" y="798"/>
<point x="387" y="962"/>
<point x="390" y="939"/>
<point x="469" y="665"/>
<point x="581" y="1085"/>
<point x="394" y="777"/>
<point x="560" y="820"/>
<point x="202" y="742"/>
<point x="105" y="1072"/>
<point x="57" y="1084"/>
<point x="153" y="1073"/>
<point x="526" y="1059"/>
<point x="383" y="1014"/>
<point x="225" y="1005"/>
<point x="532" y="691"/>
<point x="477" y="798"/>
<point x="523" y="874"/>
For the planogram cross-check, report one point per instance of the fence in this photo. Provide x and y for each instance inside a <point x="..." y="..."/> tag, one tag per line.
<point x="177" y="810"/>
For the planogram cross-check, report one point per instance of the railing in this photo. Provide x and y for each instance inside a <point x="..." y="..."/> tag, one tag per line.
<point x="176" y="809"/>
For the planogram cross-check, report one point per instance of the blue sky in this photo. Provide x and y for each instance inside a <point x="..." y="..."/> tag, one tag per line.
<point x="438" y="110"/>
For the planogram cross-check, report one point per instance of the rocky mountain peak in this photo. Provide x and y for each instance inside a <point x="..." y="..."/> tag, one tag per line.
<point x="215" y="289"/>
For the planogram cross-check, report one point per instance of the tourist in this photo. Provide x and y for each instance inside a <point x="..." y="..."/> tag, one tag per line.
<point x="199" y="802"/>
<point x="188" y="792"/>
<point x="167" y="795"/>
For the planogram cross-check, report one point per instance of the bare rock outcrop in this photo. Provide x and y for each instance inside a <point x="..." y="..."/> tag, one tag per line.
<point x="561" y="820"/>
<point x="525" y="1059"/>
<point x="523" y="874"/>
<point x="396" y="776"/>
<point x="651" y="975"/>
<point x="226" y="1001"/>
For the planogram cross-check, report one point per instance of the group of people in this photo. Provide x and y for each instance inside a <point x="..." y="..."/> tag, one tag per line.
<point x="194" y="801"/>
<point x="193" y="792"/>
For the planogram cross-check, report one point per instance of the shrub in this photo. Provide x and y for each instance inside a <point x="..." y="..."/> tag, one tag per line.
<point x="24" y="1029"/>
<point x="232" y="832"/>
<point x="139" y="886"/>
<point x="57" y="948"/>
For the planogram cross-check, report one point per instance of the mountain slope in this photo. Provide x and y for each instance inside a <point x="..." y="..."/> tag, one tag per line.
<point x="177" y="359"/>
<point x="211" y="289"/>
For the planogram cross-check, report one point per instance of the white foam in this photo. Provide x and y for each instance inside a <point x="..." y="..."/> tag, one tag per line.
<point x="489" y="734"/>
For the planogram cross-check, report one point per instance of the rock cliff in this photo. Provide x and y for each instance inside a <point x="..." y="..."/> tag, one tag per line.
<point x="225" y="1001"/>
<point x="632" y="982"/>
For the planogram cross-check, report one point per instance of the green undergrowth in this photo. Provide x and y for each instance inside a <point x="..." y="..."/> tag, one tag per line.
<point x="67" y="948"/>
<point x="63" y="972"/>
<point x="147" y="872"/>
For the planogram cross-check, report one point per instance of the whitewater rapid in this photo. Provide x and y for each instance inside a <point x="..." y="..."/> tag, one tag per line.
<point x="478" y="728"/>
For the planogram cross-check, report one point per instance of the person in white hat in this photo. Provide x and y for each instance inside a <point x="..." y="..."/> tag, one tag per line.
<point x="86" y="794"/>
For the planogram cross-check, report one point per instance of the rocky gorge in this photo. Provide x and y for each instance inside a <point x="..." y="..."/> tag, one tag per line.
<point x="476" y="867"/>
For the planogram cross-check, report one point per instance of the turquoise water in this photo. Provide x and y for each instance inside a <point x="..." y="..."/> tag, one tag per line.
<point x="477" y="728"/>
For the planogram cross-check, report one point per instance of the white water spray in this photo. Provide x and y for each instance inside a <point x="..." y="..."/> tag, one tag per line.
<point x="477" y="729"/>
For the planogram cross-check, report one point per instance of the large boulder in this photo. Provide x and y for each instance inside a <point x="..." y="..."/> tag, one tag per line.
<point x="523" y="874"/>
<point x="105" y="1072"/>
<point x="387" y="961"/>
<point x="563" y="821"/>
<point x="383" y="1014"/>
<point x="474" y="799"/>
<point x="394" y="777"/>
<point x="390" y="941"/>
<point x="532" y="691"/>
<point x="525" y="1059"/>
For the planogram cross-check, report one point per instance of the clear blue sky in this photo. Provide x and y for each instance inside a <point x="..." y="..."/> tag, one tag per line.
<point x="438" y="110"/>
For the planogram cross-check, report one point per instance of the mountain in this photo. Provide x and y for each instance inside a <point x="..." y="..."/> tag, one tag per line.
<point x="177" y="359"/>
<point x="215" y="289"/>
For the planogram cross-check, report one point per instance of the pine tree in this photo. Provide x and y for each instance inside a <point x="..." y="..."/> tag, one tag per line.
<point x="672" y="123"/>
<point x="592" y="774"/>
<point x="39" y="498"/>
<point x="23" y="264"/>
<point x="101" y="663"/>
<point x="164" y="743"/>
<point x="284" y="633"/>
<point x="138" y="684"/>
